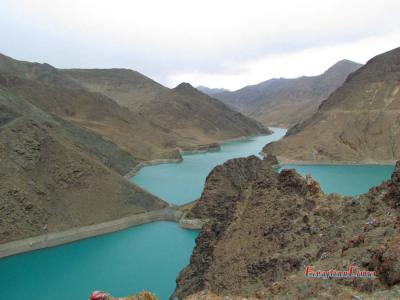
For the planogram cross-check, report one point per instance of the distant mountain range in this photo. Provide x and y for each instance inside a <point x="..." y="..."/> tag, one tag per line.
<point x="67" y="137"/>
<point x="285" y="102"/>
<point x="359" y="122"/>
<point x="209" y="91"/>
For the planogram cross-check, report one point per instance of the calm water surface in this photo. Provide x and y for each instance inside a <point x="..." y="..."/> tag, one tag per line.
<point x="145" y="257"/>
<point x="348" y="180"/>
<point x="183" y="182"/>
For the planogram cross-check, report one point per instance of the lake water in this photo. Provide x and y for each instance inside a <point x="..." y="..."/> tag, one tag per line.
<point x="150" y="256"/>
<point x="183" y="182"/>
<point x="347" y="180"/>
<point x="147" y="257"/>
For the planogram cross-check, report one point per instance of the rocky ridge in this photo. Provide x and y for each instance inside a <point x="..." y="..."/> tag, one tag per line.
<point x="266" y="227"/>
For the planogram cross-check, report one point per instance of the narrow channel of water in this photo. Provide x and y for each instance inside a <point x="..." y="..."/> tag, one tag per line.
<point x="183" y="182"/>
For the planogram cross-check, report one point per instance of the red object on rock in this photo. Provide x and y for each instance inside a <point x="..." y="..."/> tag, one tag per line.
<point x="96" y="295"/>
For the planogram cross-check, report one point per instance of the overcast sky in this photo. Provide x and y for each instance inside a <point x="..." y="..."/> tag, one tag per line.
<point x="216" y="43"/>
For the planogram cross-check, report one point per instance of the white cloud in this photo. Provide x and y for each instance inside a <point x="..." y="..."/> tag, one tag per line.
<point x="308" y="62"/>
<point x="220" y="43"/>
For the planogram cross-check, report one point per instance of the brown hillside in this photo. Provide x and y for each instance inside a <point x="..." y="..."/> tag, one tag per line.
<point x="285" y="102"/>
<point x="359" y="122"/>
<point x="54" y="175"/>
<point x="194" y="117"/>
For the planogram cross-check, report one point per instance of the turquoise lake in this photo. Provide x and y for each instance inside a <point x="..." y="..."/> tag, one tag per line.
<point x="146" y="257"/>
<point x="347" y="180"/>
<point x="183" y="182"/>
<point x="150" y="256"/>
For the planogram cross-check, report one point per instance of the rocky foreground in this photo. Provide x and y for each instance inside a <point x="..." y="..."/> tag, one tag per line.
<point x="265" y="228"/>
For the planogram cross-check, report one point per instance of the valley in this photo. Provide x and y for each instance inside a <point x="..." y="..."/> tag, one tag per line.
<point x="113" y="181"/>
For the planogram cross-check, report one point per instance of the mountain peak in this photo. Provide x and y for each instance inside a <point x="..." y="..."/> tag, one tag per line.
<point x="343" y="65"/>
<point x="346" y="61"/>
<point x="186" y="88"/>
<point x="184" y="85"/>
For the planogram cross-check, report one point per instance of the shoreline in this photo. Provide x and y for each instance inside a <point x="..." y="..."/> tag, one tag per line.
<point x="201" y="149"/>
<point x="285" y="161"/>
<point x="204" y="148"/>
<point x="152" y="162"/>
<point x="170" y="213"/>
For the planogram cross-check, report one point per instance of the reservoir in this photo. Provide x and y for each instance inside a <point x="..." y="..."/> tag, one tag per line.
<point x="179" y="183"/>
<point x="149" y="257"/>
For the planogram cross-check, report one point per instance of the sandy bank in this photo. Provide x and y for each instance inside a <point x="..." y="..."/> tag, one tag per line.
<point x="58" y="238"/>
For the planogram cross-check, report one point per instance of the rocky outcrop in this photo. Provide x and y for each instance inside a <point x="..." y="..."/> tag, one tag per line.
<point x="139" y="296"/>
<point x="220" y="194"/>
<point x="265" y="228"/>
<point x="359" y="122"/>
<point x="393" y="187"/>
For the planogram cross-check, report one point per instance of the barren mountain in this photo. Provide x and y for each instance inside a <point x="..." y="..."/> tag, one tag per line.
<point x="359" y="122"/>
<point x="64" y="146"/>
<point x="266" y="227"/>
<point x="56" y="175"/>
<point x="50" y="90"/>
<point x="284" y="102"/>
<point x="193" y="116"/>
